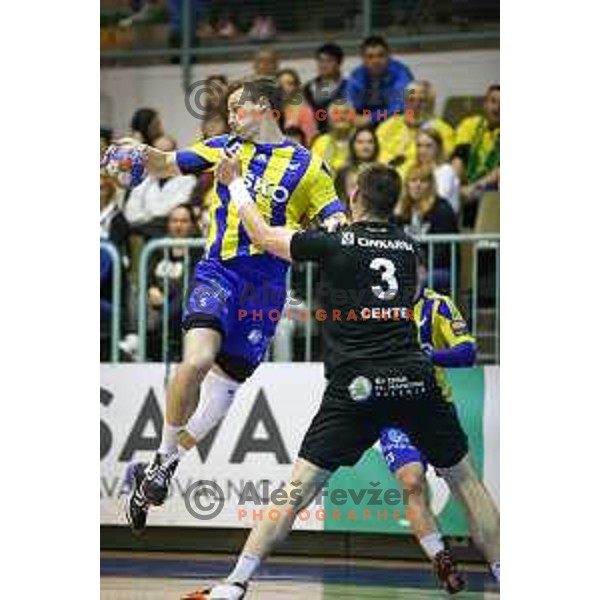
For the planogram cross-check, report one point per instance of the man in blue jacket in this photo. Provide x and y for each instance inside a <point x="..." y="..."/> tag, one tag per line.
<point x="378" y="84"/>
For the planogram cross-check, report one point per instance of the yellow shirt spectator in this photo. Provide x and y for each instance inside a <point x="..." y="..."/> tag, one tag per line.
<point x="483" y="141"/>
<point x="397" y="138"/>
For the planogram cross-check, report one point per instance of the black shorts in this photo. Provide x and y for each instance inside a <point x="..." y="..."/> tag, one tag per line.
<point x="360" y="401"/>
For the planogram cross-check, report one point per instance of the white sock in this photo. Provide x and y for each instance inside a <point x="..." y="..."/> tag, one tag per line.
<point x="245" y="568"/>
<point x="170" y="437"/>
<point x="432" y="544"/>
<point x="495" y="569"/>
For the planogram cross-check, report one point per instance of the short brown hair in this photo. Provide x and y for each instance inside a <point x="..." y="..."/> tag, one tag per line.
<point x="379" y="187"/>
<point x="262" y="87"/>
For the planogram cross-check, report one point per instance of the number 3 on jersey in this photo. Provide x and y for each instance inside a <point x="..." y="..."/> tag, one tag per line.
<point x="386" y="268"/>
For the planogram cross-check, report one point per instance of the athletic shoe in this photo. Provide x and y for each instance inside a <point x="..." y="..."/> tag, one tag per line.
<point x="136" y="506"/>
<point x="158" y="478"/>
<point x="222" y="591"/>
<point x="446" y="571"/>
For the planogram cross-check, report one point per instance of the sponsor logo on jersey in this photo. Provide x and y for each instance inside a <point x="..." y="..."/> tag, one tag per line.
<point x="459" y="327"/>
<point x="347" y="238"/>
<point x="385" y="244"/>
<point x="259" y="185"/>
<point x="360" y="388"/>
<point x="255" y="336"/>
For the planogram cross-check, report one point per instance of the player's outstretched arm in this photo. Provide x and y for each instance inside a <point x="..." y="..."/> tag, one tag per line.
<point x="275" y="240"/>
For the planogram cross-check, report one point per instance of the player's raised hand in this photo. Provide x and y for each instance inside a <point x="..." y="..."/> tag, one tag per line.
<point x="228" y="169"/>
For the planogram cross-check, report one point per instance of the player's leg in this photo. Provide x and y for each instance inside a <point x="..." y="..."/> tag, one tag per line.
<point x="308" y="480"/>
<point x="482" y="513"/>
<point x="338" y="435"/>
<point x="149" y="484"/>
<point x="411" y="478"/>
<point x="200" y="349"/>
<point x="408" y="467"/>
<point x="434" y="427"/>
<point x="206" y="322"/>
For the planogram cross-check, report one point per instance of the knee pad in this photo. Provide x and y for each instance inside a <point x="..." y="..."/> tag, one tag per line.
<point x="216" y="396"/>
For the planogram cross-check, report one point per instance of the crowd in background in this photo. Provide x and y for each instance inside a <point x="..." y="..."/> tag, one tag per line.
<point x="379" y="112"/>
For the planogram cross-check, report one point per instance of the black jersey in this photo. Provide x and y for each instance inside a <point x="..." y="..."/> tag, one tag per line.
<point x="369" y="279"/>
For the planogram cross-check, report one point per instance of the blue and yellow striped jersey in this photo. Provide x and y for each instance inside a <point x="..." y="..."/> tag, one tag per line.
<point x="287" y="183"/>
<point x="440" y="326"/>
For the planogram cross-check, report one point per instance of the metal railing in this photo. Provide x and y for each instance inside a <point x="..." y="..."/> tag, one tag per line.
<point x="116" y="298"/>
<point x="142" y="293"/>
<point x="465" y="287"/>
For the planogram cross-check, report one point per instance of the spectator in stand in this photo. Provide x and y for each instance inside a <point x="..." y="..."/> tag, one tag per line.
<point x="430" y="151"/>
<point x="422" y="212"/>
<point x="113" y="228"/>
<point x="218" y="93"/>
<point x="113" y="225"/>
<point x="105" y="139"/>
<point x="296" y="135"/>
<point x="328" y="85"/>
<point x="150" y="203"/>
<point x="166" y="281"/>
<point x="378" y="84"/>
<point x="266" y="63"/>
<point x="364" y="147"/>
<point x="263" y="28"/>
<point x="334" y="146"/>
<point x="363" y="151"/>
<point x="346" y="183"/>
<point x="146" y="125"/>
<point x="215" y="125"/>
<point x="397" y="135"/>
<point x="476" y="158"/>
<point x="296" y="112"/>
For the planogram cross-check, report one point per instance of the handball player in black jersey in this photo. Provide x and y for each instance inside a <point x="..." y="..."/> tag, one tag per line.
<point x="377" y="375"/>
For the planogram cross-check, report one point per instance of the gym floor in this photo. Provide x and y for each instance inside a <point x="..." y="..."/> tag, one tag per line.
<point x="154" y="576"/>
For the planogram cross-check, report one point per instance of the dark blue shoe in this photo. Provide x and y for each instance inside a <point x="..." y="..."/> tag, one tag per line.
<point x="135" y="506"/>
<point x="155" y="487"/>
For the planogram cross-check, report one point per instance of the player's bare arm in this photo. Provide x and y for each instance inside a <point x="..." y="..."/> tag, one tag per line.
<point x="275" y="240"/>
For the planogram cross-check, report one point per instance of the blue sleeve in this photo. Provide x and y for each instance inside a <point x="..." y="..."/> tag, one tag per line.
<point x="191" y="163"/>
<point x="461" y="355"/>
<point x="333" y="207"/>
<point x="403" y="77"/>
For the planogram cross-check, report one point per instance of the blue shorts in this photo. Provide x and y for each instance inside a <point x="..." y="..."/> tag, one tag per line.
<point x="242" y="299"/>
<point x="398" y="450"/>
